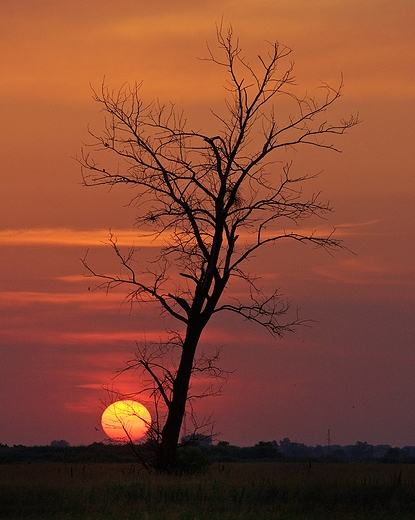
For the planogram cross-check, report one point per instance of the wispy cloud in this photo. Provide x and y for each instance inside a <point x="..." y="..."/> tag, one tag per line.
<point x="133" y="237"/>
<point x="367" y="271"/>
<point x="72" y="237"/>
<point x="111" y="337"/>
<point x="29" y="297"/>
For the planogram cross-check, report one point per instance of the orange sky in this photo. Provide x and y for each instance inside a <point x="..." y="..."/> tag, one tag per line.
<point x="352" y="370"/>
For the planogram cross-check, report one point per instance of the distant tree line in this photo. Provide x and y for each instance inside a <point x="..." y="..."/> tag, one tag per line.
<point x="96" y="452"/>
<point x="359" y="452"/>
<point x="196" y="452"/>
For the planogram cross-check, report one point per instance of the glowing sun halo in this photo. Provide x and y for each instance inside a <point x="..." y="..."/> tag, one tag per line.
<point x="126" y="420"/>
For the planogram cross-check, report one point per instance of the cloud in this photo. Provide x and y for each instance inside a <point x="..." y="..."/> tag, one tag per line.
<point x="116" y="337"/>
<point x="95" y="300"/>
<point x="72" y="237"/>
<point x="367" y="271"/>
<point x="132" y="237"/>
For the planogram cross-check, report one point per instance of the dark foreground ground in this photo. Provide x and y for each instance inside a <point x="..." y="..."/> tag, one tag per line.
<point x="243" y="491"/>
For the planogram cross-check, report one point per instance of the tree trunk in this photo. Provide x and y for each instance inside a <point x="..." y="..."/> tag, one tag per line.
<point x="166" y="456"/>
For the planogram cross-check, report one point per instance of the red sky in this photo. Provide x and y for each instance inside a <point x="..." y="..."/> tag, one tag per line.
<point x="353" y="370"/>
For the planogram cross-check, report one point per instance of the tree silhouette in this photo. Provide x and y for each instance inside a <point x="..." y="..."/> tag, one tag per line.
<point x="215" y="200"/>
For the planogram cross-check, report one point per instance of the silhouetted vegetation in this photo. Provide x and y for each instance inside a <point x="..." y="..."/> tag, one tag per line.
<point x="198" y="453"/>
<point x="96" y="452"/>
<point x="217" y="199"/>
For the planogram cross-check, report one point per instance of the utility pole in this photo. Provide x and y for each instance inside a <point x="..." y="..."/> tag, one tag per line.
<point x="328" y="439"/>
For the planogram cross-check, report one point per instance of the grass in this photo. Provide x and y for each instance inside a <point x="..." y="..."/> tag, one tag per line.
<point x="281" y="491"/>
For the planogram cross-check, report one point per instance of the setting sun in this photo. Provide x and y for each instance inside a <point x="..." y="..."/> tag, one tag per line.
<point x="126" y="421"/>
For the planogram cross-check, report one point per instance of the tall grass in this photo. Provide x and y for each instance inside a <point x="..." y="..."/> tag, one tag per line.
<point x="284" y="491"/>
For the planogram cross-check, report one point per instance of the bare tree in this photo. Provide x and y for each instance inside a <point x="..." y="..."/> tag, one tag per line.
<point x="217" y="198"/>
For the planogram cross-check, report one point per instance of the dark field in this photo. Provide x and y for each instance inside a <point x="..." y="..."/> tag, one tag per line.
<point x="227" y="491"/>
